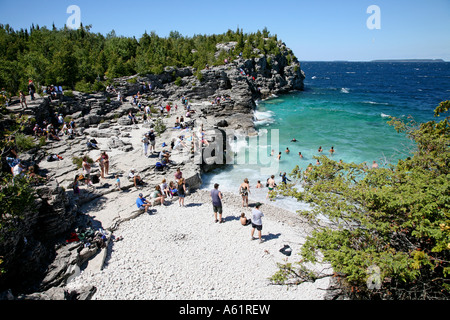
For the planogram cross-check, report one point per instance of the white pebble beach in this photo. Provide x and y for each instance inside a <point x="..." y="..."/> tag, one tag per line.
<point x="181" y="253"/>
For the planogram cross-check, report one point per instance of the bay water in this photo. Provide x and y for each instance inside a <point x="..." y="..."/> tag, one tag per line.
<point x="345" y="105"/>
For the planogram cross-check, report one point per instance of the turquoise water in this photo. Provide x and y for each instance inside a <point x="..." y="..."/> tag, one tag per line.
<point x="344" y="105"/>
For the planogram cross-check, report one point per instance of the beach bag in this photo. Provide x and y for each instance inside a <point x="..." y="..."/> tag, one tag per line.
<point x="159" y="166"/>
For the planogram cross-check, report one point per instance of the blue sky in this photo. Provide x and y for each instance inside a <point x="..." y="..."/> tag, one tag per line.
<point x="314" y="30"/>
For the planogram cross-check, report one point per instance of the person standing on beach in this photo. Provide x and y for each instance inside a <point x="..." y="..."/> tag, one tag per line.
<point x="86" y="170"/>
<point x="257" y="221"/>
<point x="244" y="190"/>
<point x="145" y="142"/>
<point x="105" y="162"/>
<point x="271" y="185"/>
<point x="152" y="140"/>
<point x="181" y="192"/>
<point x="216" y="197"/>
<point x="102" y="166"/>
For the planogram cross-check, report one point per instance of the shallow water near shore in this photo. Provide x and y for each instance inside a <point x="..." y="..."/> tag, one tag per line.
<point x="345" y="105"/>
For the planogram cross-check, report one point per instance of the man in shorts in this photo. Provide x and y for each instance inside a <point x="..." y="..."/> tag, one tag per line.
<point x="142" y="203"/>
<point x="256" y="221"/>
<point x="216" y="197"/>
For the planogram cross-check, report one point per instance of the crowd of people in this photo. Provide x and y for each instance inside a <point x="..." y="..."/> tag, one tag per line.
<point x="162" y="191"/>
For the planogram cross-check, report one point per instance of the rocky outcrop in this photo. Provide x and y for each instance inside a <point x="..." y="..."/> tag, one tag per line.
<point x="28" y="247"/>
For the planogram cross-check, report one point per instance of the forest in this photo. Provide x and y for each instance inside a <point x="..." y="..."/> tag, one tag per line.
<point x="69" y="57"/>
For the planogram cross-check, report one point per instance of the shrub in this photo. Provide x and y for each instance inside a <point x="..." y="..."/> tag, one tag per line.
<point x="69" y="93"/>
<point x="24" y="142"/>
<point x="78" y="161"/>
<point x="159" y="127"/>
<point x="83" y="86"/>
<point x="178" y="81"/>
<point x="98" y="86"/>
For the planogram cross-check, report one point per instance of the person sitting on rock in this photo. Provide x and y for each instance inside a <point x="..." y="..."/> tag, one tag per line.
<point x="132" y="117"/>
<point x="164" y="155"/>
<point x="157" y="195"/>
<point x="137" y="180"/>
<point x="165" y="188"/>
<point x="173" y="189"/>
<point x="142" y="203"/>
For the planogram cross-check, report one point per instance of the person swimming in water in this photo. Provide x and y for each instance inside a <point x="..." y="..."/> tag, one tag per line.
<point x="294" y="140"/>
<point x="331" y="150"/>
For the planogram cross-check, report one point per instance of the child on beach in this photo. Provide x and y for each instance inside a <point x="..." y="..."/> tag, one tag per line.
<point x="244" y="220"/>
<point x="173" y="189"/>
<point x="117" y="182"/>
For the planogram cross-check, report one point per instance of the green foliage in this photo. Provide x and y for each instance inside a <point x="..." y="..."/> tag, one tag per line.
<point x="69" y="93"/>
<point x="16" y="197"/>
<point x="394" y="220"/>
<point x="76" y="58"/>
<point x="159" y="127"/>
<point x="83" y="86"/>
<point x="78" y="161"/>
<point x="24" y="142"/>
<point x="178" y="81"/>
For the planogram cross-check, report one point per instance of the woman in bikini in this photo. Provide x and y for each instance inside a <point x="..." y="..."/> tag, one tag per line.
<point x="105" y="162"/>
<point x="244" y="190"/>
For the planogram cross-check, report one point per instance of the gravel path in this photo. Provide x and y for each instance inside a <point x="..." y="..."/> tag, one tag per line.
<point x="180" y="253"/>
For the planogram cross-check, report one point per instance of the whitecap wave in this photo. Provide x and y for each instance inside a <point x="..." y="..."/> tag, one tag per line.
<point x="383" y="115"/>
<point x="344" y="90"/>
<point x="263" y="117"/>
<point x="377" y="103"/>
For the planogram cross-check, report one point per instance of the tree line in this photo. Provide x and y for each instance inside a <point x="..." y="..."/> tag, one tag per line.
<point x="65" y="57"/>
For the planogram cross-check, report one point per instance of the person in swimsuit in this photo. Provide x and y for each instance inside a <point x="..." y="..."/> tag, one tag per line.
<point x="244" y="190"/>
<point x="331" y="150"/>
<point x="101" y="163"/>
<point x="271" y="184"/>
